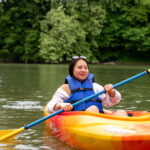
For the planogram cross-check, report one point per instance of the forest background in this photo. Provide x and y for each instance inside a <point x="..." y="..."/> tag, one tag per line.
<point x="52" y="31"/>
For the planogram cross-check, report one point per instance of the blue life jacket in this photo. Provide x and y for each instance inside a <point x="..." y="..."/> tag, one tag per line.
<point x="81" y="90"/>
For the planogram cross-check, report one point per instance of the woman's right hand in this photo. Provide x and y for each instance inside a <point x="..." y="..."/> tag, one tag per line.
<point x="64" y="106"/>
<point x="67" y="106"/>
<point x="110" y="90"/>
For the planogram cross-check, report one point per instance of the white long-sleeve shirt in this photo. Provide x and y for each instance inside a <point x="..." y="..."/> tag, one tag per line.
<point x="60" y="96"/>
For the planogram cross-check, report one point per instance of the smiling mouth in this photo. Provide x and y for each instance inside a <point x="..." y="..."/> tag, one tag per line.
<point x="82" y="75"/>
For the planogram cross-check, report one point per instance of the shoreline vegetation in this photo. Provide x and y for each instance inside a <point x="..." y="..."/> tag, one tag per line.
<point x="142" y="63"/>
<point x="53" y="31"/>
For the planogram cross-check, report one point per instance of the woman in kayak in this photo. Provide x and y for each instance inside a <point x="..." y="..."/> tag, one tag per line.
<point x="79" y="85"/>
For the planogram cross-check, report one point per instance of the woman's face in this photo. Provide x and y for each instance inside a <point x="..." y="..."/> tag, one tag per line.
<point x="80" y="70"/>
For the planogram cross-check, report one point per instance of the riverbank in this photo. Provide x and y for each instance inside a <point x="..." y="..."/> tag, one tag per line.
<point x="96" y="63"/>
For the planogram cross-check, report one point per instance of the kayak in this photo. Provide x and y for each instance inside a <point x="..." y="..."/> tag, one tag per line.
<point x="93" y="131"/>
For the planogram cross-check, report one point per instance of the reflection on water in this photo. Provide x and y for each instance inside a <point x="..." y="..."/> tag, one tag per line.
<point x="26" y="89"/>
<point x="52" y="142"/>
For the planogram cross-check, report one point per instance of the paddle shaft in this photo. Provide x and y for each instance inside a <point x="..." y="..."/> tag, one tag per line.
<point x="88" y="98"/>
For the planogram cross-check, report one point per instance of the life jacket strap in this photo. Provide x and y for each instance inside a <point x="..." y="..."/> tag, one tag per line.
<point x="100" y="111"/>
<point x="82" y="89"/>
<point x="94" y="100"/>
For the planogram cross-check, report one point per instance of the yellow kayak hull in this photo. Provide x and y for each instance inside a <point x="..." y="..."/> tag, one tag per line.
<point x="85" y="130"/>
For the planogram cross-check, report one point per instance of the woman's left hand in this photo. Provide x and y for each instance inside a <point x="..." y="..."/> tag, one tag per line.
<point x="110" y="90"/>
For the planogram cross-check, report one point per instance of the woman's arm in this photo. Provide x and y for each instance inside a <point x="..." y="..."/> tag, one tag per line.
<point x="58" y="100"/>
<point x="59" y="97"/>
<point x="109" y="98"/>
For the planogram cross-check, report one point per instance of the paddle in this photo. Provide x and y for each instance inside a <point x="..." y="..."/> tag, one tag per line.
<point x="9" y="134"/>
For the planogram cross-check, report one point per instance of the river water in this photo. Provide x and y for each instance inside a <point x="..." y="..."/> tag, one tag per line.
<point x="25" y="89"/>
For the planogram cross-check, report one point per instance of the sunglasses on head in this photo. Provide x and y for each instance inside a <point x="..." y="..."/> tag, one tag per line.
<point x="77" y="57"/>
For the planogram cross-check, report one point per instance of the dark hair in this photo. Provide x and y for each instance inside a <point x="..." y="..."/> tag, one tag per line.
<point x="73" y="63"/>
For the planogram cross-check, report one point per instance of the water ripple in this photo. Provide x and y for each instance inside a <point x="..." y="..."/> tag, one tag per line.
<point x="23" y="105"/>
<point x="23" y="147"/>
<point x="3" y="99"/>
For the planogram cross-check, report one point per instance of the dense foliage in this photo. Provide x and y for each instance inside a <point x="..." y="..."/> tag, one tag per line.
<point x="53" y="31"/>
<point x="126" y="35"/>
<point x="20" y="29"/>
<point x="71" y="28"/>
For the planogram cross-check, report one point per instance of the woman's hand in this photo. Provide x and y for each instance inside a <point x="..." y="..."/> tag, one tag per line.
<point x="109" y="89"/>
<point x="67" y="106"/>
<point x="64" y="106"/>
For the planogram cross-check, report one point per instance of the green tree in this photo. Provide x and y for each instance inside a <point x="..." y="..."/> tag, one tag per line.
<point x="61" y="36"/>
<point x="20" y="29"/>
<point x="126" y="34"/>
<point x="71" y="28"/>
